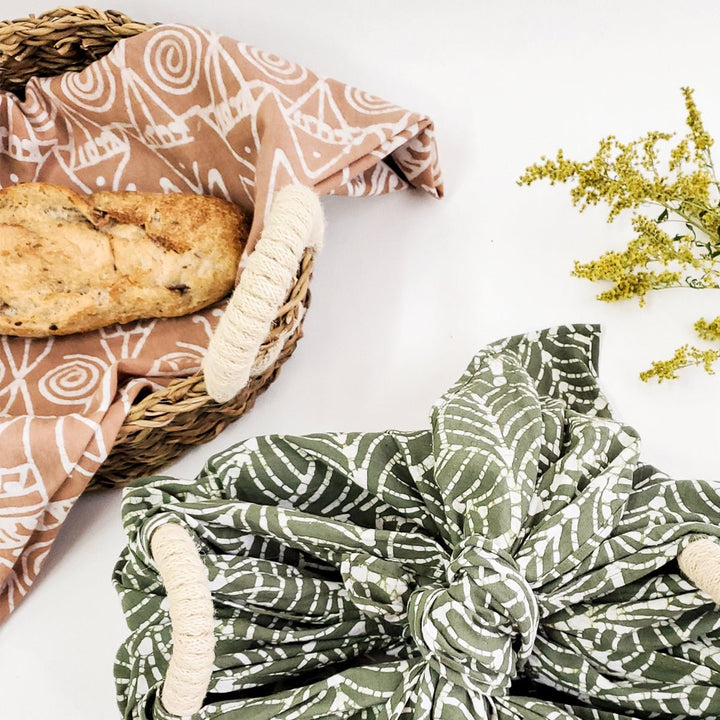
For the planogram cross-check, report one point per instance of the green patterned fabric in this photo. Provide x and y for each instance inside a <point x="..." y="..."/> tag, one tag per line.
<point x="513" y="560"/>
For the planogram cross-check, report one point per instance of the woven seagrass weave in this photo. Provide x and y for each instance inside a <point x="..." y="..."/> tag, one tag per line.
<point x="67" y="38"/>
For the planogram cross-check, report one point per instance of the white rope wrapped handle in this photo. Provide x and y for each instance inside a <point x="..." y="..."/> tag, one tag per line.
<point x="294" y="223"/>
<point x="700" y="561"/>
<point x="191" y="614"/>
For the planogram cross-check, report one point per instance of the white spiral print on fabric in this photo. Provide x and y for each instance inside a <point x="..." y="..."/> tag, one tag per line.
<point x="366" y="103"/>
<point x="172" y="60"/>
<point x="275" y="67"/>
<point x="73" y="382"/>
<point x="91" y="89"/>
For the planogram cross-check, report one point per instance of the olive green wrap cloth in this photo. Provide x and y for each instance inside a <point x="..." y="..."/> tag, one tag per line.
<point x="514" y="560"/>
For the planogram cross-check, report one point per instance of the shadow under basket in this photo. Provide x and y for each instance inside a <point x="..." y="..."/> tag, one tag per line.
<point x="161" y="425"/>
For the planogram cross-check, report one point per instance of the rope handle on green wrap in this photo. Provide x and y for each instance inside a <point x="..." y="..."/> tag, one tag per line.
<point x="191" y="615"/>
<point x="700" y="561"/>
<point x="295" y="222"/>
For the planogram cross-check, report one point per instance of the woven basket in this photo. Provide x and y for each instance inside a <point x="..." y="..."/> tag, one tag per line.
<point x="161" y="425"/>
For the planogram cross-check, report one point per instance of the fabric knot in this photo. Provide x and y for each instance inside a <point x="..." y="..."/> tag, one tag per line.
<point x="377" y="587"/>
<point x="480" y="628"/>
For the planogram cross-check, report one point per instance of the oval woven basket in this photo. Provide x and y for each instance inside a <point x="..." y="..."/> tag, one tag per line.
<point x="163" y="424"/>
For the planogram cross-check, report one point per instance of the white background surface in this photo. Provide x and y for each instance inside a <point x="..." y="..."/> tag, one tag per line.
<point x="408" y="288"/>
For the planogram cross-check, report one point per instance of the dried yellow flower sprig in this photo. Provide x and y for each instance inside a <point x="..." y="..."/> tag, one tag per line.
<point x="679" y="246"/>
<point x="685" y="356"/>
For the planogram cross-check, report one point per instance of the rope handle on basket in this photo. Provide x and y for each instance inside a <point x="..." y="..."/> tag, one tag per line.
<point x="191" y="615"/>
<point x="295" y="222"/>
<point x="700" y="561"/>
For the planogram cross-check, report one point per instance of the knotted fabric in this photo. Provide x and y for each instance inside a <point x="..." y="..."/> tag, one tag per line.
<point x="514" y="560"/>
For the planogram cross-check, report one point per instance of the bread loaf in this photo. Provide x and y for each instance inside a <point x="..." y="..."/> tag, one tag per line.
<point x="71" y="263"/>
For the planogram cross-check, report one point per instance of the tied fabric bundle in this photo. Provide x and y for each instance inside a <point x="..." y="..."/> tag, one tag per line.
<point x="173" y="109"/>
<point x="515" y="560"/>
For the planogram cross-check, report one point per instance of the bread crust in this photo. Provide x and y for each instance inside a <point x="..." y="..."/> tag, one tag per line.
<point x="70" y="263"/>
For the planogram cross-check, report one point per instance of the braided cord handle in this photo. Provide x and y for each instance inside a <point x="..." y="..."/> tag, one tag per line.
<point x="191" y="615"/>
<point x="295" y="222"/>
<point x="700" y="561"/>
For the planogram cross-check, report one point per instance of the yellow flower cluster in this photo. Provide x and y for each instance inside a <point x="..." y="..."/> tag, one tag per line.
<point x="685" y="356"/>
<point x="678" y="183"/>
<point x="689" y="355"/>
<point x="700" y="138"/>
<point x="708" y="330"/>
<point x="626" y="176"/>
<point x="630" y="272"/>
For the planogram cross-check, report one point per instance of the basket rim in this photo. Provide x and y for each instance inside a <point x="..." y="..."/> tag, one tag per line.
<point x="79" y="14"/>
<point x="66" y="38"/>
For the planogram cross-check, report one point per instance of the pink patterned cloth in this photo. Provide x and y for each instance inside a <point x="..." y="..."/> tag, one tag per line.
<point x="175" y="109"/>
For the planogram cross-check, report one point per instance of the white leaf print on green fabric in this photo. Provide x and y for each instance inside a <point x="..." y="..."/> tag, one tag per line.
<point x="514" y="560"/>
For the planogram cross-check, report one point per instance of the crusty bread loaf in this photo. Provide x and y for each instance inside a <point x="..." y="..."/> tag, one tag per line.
<point x="71" y="263"/>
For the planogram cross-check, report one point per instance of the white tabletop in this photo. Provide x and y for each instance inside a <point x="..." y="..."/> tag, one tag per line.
<point x="407" y="288"/>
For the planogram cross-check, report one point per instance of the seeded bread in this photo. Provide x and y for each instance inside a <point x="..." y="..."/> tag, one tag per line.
<point x="71" y="263"/>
